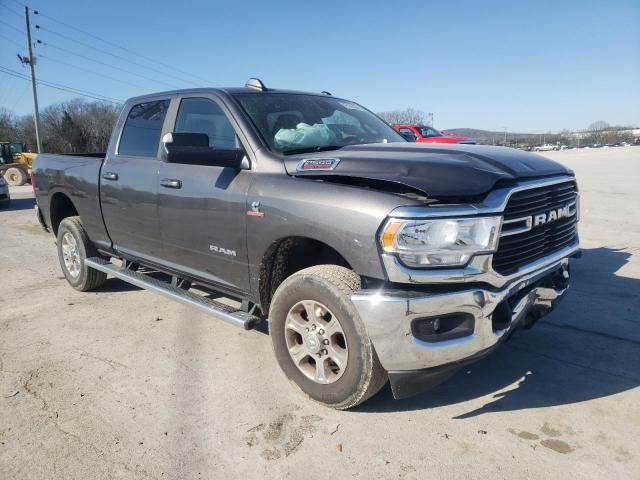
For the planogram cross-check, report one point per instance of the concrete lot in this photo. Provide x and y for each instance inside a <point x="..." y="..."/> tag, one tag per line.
<point x="122" y="383"/>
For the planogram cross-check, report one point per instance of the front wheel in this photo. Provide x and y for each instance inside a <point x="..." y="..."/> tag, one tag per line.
<point x="319" y="340"/>
<point x="15" y="176"/>
<point x="74" y="247"/>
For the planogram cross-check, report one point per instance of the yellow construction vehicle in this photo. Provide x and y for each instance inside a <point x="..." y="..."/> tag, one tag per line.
<point x="15" y="163"/>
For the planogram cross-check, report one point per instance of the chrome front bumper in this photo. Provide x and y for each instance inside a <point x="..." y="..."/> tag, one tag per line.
<point x="388" y="317"/>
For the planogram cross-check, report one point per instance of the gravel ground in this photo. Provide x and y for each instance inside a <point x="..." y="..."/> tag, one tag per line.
<point x="122" y="383"/>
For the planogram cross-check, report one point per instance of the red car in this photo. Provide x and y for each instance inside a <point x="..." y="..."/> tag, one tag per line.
<point x="426" y="134"/>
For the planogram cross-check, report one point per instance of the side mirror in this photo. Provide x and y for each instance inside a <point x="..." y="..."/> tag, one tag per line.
<point x="409" y="137"/>
<point x="194" y="149"/>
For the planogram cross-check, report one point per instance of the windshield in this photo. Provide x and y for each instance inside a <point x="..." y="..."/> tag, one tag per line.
<point x="429" y="132"/>
<point x="16" y="148"/>
<point x="297" y="123"/>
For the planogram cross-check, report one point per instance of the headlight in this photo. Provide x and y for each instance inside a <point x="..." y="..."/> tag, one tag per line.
<point x="437" y="243"/>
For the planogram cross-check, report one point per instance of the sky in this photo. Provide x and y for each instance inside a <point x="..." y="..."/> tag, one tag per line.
<point x="527" y="66"/>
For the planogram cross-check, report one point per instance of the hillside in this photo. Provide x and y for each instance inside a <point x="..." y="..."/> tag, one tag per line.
<point x="489" y="136"/>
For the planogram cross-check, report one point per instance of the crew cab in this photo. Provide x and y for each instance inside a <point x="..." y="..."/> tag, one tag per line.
<point x="427" y="134"/>
<point x="371" y="258"/>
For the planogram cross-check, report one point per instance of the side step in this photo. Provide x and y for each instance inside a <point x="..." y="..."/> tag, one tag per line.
<point x="224" y="312"/>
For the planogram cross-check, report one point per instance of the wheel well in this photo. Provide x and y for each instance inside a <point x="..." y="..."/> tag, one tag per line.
<point x="288" y="256"/>
<point x="61" y="208"/>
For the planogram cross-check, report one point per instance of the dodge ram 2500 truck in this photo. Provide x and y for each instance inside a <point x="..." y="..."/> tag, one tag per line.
<point x="373" y="259"/>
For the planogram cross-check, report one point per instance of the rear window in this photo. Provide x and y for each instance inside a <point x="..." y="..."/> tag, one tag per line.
<point x="142" y="130"/>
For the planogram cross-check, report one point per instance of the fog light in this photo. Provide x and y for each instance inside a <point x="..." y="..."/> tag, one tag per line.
<point x="442" y="327"/>
<point x="436" y="324"/>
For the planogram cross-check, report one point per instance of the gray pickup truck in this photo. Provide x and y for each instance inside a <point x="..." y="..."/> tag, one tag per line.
<point x="372" y="259"/>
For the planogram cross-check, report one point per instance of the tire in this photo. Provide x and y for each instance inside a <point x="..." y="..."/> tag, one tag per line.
<point x="79" y="276"/>
<point x="15" y="176"/>
<point x="330" y="286"/>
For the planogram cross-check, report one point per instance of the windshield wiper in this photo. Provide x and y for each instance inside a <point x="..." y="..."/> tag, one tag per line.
<point x="318" y="148"/>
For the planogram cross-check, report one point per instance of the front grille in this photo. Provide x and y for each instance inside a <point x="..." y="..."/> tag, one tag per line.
<point x="515" y="250"/>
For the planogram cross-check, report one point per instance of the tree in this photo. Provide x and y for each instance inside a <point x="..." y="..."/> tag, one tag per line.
<point x="8" y="121"/>
<point x="26" y="132"/>
<point x="73" y="126"/>
<point x="411" y="116"/>
<point x="598" y="126"/>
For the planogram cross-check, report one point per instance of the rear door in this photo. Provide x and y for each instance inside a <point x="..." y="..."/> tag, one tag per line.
<point x="203" y="208"/>
<point x="129" y="182"/>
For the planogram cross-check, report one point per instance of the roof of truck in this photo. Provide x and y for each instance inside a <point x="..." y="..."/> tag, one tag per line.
<point x="252" y="86"/>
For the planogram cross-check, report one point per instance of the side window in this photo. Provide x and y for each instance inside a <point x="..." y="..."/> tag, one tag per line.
<point x="201" y="115"/>
<point x="429" y="132"/>
<point x="141" y="133"/>
<point x="407" y="131"/>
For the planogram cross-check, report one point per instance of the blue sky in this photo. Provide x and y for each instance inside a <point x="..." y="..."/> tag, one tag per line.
<point x="526" y="65"/>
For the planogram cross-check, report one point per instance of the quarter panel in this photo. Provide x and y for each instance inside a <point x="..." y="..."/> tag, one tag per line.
<point x="77" y="178"/>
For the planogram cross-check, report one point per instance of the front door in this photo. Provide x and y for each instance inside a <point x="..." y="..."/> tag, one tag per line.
<point x="129" y="183"/>
<point x="202" y="209"/>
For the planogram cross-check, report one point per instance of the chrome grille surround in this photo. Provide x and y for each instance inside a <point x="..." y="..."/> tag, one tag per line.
<point x="480" y="267"/>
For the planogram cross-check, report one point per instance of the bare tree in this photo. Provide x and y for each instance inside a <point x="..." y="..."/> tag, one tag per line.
<point x="73" y="126"/>
<point x="599" y="126"/>
<point x="411" y="116"/>
<point x="8" y="131"/>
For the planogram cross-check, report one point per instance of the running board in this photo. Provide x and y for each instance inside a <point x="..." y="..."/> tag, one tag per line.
<point x="220" y="310"/>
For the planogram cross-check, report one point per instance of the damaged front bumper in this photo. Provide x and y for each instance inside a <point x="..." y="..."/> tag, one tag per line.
<point x="423" y="338"/>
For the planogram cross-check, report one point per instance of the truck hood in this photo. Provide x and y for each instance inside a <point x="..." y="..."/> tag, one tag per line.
<point x="437" y="170"/>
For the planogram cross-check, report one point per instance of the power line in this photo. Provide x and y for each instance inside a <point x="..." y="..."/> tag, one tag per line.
<point x="115" y="45"/>
<point x="20" y="31"/>
<point x="11" y="40"/>
<point x="76" y="54"/>
<point x="58" y="86"/>
<point x="125" y="59"/>
<point x="90" y="71"/>
<point x="120" y="47"/>
<point x="171" y="68"/>
<point x="11" y="10"/>
<point x="77" y="92"/>
<point x="18" y="98"/>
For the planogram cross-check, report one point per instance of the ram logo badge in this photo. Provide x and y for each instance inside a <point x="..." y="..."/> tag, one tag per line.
<point x="552" y="215"/>
<point x="225" y="251"/>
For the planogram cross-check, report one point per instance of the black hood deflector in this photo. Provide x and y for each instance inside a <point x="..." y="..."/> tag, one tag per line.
<point x="437" y="171"/>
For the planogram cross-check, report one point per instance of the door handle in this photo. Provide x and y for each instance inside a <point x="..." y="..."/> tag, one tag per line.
<point x="171" y="183"/>
<point x="110" y="176"/>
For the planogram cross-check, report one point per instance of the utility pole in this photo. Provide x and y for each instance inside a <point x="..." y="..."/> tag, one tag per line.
<point x="31" y="61"/>
<point x="505" y="136"/>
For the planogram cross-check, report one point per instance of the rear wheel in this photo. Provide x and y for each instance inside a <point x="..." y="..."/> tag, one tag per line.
<point x="15" y="176"/>
<point x="74" y="247"/>
<point x="320" y="341"/>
